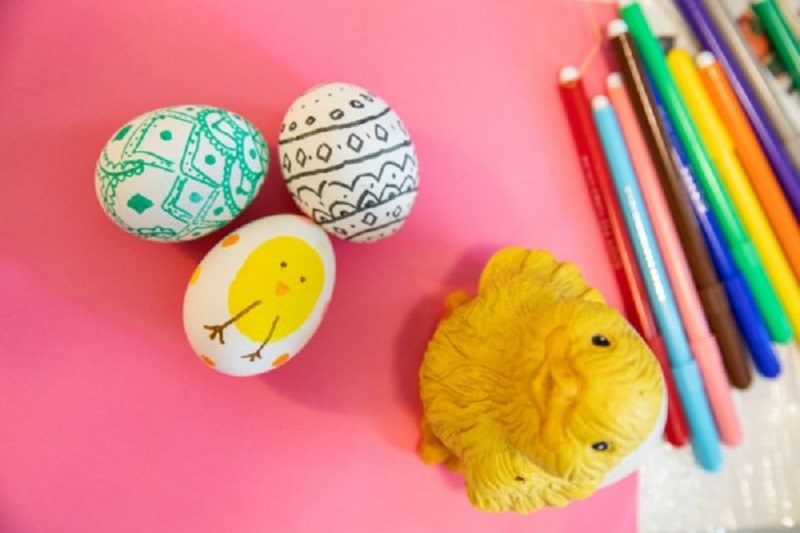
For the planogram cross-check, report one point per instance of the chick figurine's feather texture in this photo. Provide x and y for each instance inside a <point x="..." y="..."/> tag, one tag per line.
<point x="535" y="388"/>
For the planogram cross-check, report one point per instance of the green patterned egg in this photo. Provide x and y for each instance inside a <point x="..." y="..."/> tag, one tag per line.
<point x="179" y="173"/>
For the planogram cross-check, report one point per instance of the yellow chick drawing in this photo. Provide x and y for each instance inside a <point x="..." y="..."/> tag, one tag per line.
<point x="534" y="388"/>
<point x="273" y="293"/>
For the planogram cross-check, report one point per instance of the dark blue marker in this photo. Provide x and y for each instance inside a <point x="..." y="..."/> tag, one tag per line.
<point x="749" y="319"/>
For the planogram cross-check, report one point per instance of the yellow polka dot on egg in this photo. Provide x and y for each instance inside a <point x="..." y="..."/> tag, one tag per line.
<point x="195" y="276"/>
<point x="280" y="360"/>
<point x="230" y="240"/>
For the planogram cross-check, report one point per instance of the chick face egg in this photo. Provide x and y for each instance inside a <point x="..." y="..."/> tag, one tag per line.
<point x="348" y="162"/>
<point x="178" y="173"/>
<point x="259" y="295"/>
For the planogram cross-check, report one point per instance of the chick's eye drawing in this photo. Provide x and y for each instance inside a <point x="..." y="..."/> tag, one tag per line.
<point x="273" y="293"/>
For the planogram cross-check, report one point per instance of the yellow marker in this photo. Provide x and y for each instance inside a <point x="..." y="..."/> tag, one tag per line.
<point x="721" y="149"/>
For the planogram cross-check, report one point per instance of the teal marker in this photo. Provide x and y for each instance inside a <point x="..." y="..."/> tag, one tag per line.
<point x="742" y="249"/>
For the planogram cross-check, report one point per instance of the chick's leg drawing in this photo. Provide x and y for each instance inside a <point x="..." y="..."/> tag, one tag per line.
<point x="217" y="331"/>
<point x="257" y="354"/>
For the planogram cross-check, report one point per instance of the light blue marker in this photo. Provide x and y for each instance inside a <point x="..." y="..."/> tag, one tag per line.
<point x="705" y="439"/>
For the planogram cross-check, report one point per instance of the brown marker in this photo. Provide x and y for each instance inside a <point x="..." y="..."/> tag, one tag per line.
<point x="712" y="294"/>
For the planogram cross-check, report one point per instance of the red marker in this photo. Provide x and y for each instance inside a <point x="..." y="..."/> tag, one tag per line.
<point x="618" y="247"/>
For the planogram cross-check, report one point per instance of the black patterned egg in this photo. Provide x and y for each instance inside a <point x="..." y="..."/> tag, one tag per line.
<point x="348" y="162"/>
<point x="179" y="173"/>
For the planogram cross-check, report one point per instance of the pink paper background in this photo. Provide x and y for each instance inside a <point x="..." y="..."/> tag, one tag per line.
<point x="108" y="422"/>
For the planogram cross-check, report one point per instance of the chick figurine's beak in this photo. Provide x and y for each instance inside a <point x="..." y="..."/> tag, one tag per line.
<point x="281" y="288"/>
<point x="562" y="387"/>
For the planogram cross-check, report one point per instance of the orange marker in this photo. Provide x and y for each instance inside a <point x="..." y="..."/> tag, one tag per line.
<point x="752" y="157"/>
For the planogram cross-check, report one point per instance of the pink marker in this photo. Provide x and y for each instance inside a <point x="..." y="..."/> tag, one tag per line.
<point x="702" y="343"/>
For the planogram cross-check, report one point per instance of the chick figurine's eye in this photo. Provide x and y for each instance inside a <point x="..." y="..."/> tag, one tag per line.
<point x="283" y="264"/>
<point x="600" y="446"/>
<point x="302" y="279"/>
<point x="599" y="340"/>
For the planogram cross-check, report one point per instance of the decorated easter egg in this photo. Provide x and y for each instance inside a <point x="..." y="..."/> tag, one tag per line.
<point x="259" y="295"/>
<point x="348" y="162"/>
<point x="179" y="173"/>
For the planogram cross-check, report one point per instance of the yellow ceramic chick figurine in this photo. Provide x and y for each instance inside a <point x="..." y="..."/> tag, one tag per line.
<point x="535" y="388"/>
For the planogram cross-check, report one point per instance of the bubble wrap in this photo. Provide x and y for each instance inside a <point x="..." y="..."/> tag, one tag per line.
<point x="758" y="488"/>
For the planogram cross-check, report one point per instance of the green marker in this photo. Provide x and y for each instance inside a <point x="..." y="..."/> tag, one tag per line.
<point x="742" y="249"/>
<point x="780" y="36"/>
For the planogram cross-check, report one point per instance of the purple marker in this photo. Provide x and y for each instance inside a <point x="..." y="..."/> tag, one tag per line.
<point x="709" y="34"/>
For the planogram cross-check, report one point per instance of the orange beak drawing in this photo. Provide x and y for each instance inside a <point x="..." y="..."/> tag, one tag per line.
<point x="281" y="288"/>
